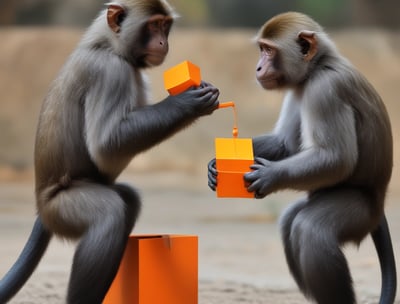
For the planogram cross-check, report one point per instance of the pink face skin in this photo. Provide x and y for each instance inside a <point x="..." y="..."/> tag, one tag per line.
<point x="266" y="74"/>
<point x="158" y="27"/>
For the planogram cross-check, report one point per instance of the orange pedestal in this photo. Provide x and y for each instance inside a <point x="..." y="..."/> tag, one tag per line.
<point x="234" y="156"/>
<point x="157" y="269"/>
<point x="181" y="77"/>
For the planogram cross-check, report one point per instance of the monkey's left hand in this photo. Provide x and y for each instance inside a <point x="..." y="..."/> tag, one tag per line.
<point x="262" y="179"/>
<point x="212" y="175"/>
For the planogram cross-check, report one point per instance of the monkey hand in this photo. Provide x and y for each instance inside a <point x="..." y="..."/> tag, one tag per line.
<point x="262" y="179"/>
<point x="199" y="101"/>
<point x="212" y="175"/>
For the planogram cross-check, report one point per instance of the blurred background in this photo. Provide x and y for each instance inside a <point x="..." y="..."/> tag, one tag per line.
<point x="38" y="35"/>
<point x="221" y="13"/>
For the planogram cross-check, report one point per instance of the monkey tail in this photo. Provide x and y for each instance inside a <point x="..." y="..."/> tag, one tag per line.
<point x="384" y="248"/>
<point x="26" y="263"/>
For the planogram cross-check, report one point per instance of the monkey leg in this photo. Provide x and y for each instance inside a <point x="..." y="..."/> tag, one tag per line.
<point x="285" y="224"/>
<point x="329" y="218"/>
<point x="105" y="215"/>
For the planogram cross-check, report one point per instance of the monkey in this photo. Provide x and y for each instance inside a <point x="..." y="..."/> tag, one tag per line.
<point x="94" y="120"/>
<point x="332" y="140"/>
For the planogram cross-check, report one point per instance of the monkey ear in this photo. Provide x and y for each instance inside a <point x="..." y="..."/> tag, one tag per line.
<point x="115" y="15"/>
<point x="308" y="43"/>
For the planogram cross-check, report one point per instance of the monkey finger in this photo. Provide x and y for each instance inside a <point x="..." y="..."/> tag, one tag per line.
<point x="208" y="99"/>
<point x="255" y="167"/>
<point x="202" y="92"/>
<point x="204" y="84"/>
<point x="212" y="174"/>
<point x="254" y="186"/>
<point x="199" y="91"/>
<point x="212" y="178"/>
<point x="262" y="161"/>
<point x="215" y="105"/>
<point x="208" y="88"/>
<point x="212" y="181"/>
<point x="208" y="85"/>
<point x="259" y="195"/>
<point x="213" y="102"/>
<point x="251" y="176"/>
<point x="212" y="166"/>
<point x="212" y="186"/>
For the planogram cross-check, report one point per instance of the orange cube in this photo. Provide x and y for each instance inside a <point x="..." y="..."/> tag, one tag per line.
<point x="157" y="269"/>
<point x="181" y="77"/>
<point x="234" y="156"/>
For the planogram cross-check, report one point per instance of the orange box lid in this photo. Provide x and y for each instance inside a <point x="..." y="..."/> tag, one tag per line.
<point x="181" y="77"/>
<point x="234" y="148"/>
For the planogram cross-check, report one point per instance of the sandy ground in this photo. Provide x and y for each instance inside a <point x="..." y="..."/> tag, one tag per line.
<point x="240" y="254"/>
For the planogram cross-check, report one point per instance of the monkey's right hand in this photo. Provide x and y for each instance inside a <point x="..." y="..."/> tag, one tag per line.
<point x="199" y="101"/>
<point x="212" y="175"/>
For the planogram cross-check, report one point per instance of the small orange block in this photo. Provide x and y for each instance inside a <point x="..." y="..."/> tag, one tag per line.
<point x="234" y="156"/>
<point x="157" y="269"/>
<point x="181" y="77"/>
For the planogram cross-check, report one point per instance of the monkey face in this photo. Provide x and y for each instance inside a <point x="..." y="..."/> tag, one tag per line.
<point x="267" y="73"/>
<point x="289" y="48"/>
<point x="143" y="38"/>
<point x="155" y="34"/>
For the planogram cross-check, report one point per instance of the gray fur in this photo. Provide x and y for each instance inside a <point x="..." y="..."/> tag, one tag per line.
<point x="93" y="121"/>
<point x="333" y="139"/>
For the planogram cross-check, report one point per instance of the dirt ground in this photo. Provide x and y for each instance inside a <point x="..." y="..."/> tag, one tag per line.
<point x="240" y="255"/>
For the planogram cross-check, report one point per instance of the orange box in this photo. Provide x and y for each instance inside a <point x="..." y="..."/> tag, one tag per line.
<point x="234" y="156"/>
<point x="157" y="269"/>
<point x="181" y="77"/>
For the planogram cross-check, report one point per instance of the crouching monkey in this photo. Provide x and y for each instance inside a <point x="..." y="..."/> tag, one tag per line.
<point x="333" y="139"/>
<point x="94" y="119"/>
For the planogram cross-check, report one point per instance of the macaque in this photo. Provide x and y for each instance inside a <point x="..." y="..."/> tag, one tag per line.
<point x="333" y="140"/>
<point x="94" y="120"/>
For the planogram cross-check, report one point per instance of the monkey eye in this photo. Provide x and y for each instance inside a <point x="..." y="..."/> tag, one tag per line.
<point x="264" y="48"/>
<point x="159" y="25"/>
<point x="154" y="26"/>
<point x="167" y="27"/>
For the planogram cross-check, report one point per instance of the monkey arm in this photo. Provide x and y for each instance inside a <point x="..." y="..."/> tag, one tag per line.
<point x="120" y="124"/>
<point x="147" y="126"/>
<point x="284" y="140"/>
<point x="328" y="155"/>
<point x="270" y="147"/>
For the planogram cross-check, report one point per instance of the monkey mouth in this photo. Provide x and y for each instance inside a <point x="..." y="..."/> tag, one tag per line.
<point x="154" y="59"/>
<point x="269" y="83"/>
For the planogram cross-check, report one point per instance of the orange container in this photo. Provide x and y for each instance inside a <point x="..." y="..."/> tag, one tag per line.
<point x="181" y="77"/>
<point x="157" y="269"/>
<point x="234" y="156"/>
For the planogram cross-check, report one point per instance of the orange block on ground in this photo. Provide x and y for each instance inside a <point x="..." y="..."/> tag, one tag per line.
<point x="234" y="156"/>
<point x="181" y="77"/>
<point x="157" y="269"/>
